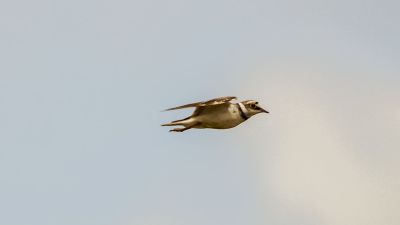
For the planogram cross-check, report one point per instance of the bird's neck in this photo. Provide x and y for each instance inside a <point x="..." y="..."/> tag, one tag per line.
<point x="243" y="111"/>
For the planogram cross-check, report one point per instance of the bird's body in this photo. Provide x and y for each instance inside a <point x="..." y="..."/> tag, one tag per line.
<point x="222" y="116"/>
<point x="218" y="113"/>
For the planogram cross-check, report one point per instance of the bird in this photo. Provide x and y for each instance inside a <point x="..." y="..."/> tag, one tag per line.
<point x="217" y="113"/>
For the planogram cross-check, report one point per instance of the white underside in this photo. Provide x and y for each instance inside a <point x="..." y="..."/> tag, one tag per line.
<point x="223" y="116"/>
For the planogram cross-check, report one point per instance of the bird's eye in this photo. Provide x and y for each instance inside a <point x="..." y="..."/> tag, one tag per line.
<point x="253" y="106"/>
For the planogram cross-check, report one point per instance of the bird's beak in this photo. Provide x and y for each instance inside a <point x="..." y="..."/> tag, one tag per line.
<point x="263" y="110"/>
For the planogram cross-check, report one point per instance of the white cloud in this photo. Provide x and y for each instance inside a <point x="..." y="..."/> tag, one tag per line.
<point x="320" y="165"/>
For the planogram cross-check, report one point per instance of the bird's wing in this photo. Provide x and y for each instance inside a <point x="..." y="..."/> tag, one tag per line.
<point x="215" y="101"/>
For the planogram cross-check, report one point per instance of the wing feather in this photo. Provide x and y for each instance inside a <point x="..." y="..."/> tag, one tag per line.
<point x="215" y="101"/>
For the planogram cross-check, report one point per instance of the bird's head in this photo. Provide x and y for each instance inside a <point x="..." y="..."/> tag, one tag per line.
<point x="253" y="108"/>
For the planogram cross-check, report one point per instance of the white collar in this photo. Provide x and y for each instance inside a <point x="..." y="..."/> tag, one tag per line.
<point x="243" y="111"/>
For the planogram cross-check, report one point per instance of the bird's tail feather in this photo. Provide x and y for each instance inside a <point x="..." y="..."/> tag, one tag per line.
<point x="175" y="122"/>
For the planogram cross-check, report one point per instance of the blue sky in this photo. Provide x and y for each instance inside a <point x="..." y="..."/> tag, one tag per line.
<point x="83" y="83"/>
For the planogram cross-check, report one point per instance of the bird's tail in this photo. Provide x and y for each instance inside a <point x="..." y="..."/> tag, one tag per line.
<point x="169" y="124"/>
<point x="176" y="122"/>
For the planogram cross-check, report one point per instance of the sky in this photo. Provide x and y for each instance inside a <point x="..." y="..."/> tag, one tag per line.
<point x="83" y="85"/>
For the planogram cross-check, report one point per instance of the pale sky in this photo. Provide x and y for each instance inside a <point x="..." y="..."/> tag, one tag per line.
<point x="83" y="84"/>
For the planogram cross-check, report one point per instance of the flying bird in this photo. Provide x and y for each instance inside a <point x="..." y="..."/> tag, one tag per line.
<point x="217" y="113"/>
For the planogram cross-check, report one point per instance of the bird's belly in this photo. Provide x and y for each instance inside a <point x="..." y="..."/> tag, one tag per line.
<point x="220" y="121"/>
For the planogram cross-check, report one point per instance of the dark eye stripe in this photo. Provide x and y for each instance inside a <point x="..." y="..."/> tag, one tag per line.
<point x="254" y="106"/>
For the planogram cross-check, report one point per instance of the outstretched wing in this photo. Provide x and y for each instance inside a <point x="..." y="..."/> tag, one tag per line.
<point x="215" y="101"/>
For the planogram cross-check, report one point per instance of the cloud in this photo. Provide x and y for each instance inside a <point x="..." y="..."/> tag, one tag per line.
<point x="327" y="163"/>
